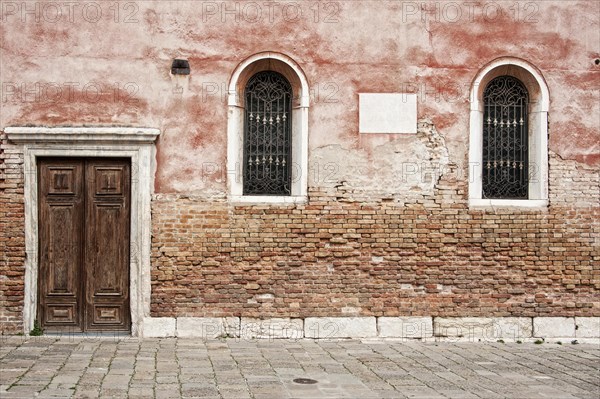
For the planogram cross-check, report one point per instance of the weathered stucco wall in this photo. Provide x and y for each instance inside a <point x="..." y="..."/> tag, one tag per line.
<point x="108" y="63"/>
<point x="103" y="64"/>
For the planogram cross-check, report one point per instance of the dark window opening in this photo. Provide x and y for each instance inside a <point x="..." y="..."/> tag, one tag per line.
<point x="505" y="139"/>
<point x="267" y="135"/>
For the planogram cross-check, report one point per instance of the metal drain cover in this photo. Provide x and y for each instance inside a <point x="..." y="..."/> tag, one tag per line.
<point x="305" y="381"/>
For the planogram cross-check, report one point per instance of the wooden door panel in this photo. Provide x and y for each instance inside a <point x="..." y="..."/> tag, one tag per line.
<point x="61" y="314"/>
<point x="84" y="216"/>
<point x="109" y="180"/>
<point x="109" y="255"/>
<point x="63" y="250"/>
<point x="63" y="180"/>
<point x="60" y="215"/>
<point x="108" y="315"/>
<point x="107" y="244"/>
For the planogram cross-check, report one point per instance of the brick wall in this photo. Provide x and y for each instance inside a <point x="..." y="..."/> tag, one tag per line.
<point x="339" y="256"/>
<point x="348" y="252"/>
<point x="12" y="237"/>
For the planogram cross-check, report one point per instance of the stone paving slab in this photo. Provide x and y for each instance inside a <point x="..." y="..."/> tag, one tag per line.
<point x="237" y="368"/>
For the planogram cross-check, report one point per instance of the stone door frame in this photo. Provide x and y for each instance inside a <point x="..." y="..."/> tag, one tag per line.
<point x="137" y="144"/>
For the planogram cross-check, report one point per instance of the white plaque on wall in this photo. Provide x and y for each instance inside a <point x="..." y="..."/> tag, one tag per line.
<point x="387" y="113"/>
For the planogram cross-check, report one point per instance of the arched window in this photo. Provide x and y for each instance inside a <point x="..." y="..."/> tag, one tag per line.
<point x="508" y="139"/>
<point x="267" y="131"/>
<point x="268" y="135"/>
<point x="505" y="139"/>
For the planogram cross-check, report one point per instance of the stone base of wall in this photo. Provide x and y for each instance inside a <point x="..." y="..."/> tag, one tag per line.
<point x="449" y="329"/>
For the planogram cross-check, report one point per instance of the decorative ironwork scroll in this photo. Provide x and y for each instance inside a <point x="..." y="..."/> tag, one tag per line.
<point x="505" y="139"/>
<point x="267" y="135"/>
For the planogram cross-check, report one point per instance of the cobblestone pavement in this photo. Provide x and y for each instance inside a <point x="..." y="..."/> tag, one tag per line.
<point x="232" y="368"/>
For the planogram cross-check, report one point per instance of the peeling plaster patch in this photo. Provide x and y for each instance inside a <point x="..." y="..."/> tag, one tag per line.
<point x="576" y="183"/>
<point x="405" y="167"/>
<point x="573" y="140"/>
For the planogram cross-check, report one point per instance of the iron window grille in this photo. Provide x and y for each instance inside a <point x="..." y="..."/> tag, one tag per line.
<point x="267" y="135"/>
<point x="505" y="139"/>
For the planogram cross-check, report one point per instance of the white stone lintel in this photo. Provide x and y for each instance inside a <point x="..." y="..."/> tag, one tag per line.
<point x="123" y="135"/>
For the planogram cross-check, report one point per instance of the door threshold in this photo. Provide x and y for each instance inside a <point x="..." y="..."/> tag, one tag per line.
<point x="89" y="334"/>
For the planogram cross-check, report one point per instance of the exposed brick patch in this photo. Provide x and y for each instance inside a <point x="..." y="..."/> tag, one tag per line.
<point x="12" y="237"/>
<point x="573" y="183"/>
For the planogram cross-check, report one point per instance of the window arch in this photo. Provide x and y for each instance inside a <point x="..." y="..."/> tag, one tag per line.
<point x="508" y="161"/>
<point x="268" y="85"/>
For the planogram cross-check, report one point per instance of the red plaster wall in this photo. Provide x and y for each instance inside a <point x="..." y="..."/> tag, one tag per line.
<point x="69" y="69"/>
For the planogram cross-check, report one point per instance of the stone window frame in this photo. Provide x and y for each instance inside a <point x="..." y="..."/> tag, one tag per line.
<point x="136" y="144"/>
<point x="539" y="102"/>
<point x="287" y="67"/>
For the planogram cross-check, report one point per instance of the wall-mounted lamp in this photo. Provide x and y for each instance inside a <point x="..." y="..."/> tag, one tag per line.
<point x="180" y="67"/>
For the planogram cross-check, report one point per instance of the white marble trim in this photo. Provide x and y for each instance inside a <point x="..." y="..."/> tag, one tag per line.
<point x="538" y="131"/>
<point x="134" y="143"/>
<point x="424" y="328"/>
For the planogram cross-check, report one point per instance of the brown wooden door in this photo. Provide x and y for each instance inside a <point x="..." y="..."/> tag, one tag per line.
<point x="61" y="213"/>
<point x="84" y="213"/>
